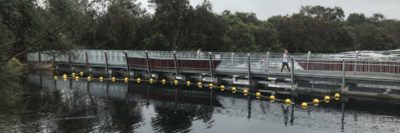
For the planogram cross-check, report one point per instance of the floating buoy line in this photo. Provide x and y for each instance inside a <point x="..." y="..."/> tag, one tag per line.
<point x="233" y="89"/>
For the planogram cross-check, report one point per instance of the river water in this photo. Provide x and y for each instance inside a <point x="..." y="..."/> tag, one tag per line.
<point x="80" y="106"/>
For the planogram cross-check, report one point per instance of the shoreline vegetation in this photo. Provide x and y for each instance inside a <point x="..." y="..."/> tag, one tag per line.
<point x="62" y="25"/>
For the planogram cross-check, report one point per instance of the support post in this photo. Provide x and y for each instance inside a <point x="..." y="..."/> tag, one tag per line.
<point x="148" y="64"/>
<point x="54" y="64"/>
<point x="343" y="75"/>
<point x="127" y="64"/>
<point x="175" y="64"/>
<point x="211" y="66"/>
<point x="355" y="61"/>
<point x="249" y="71"/>
<point x="87" y="64"/>
<point x="292" y="72"/>
<point x="232" y="58"/>
<point x="107" y="67"/>
<point x="267" y="62"/>
<point x="70" y="62"/>
<point x="40" y="59"/>
<point x="308" y="59"/>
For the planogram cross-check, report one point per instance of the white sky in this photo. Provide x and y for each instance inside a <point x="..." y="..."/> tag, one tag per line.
<point x="267" y="8"/>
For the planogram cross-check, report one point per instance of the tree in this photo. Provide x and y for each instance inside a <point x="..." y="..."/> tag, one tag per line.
<point x="356" y="19"/>
<point x="204" y="29"/>
<point x="31" y="28"/>
<point x="370" y="37"/>
<point x="323" y="13"/>
<point x="170" y="19"/>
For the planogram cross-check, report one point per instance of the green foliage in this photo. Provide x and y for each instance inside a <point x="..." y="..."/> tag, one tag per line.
<point x="323" y="13"/>
<point x="25" y="27"/>
<point x="10" y="90"/>
<point x="176" y="25"/>
<point x="247" y="33"/>
<point x="156" y="41"/>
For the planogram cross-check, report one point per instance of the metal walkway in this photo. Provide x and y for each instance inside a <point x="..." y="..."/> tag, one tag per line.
<point x="342" y="67"/>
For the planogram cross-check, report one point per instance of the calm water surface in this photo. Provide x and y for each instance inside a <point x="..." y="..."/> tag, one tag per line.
<point x="79" y="106"/>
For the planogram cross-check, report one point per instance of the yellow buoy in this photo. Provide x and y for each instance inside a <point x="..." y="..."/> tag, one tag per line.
<point x="77" y="78"/>
<point x="234" y="89"/>
<point x="151" y="80"/>
<point x="65" y="76"/>
<point x="199" y="84"/>
<point x="73" y="74"/>
<point x="113" y="79"/>
<point x="101" y="78"/>
<point x="176" y="82"/>
<point x="55" y="78"/>
<point x="126" y="79"/>
<point x="89" y="78"/>
<point x="287" y="101"/>
<point x="222" y="87"/>
<point x="327" y="99"/>
<point x="337" y="96"/>
<point x="163" y="81"/>
<point x="210" y="85"/>
<point x="258" y="95"/>
<point x="81" y="73"/>
<point x="304" y="105"/>
<point x="272" y="98"/>
<point x="188" y="83"/>
<point x="315" y="102"/>
<point x="138" y="80"/>
<point x="245" y="92"/>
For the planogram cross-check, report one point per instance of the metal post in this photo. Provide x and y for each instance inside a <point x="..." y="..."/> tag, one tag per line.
<point x="54" y="65"/>
<point x="107" y="67"/>
<point x="70" y="62"/>
<point x="232" y="57"/>
<point x="148" y="64"/>
<point x="175" y="64"/>
<point x="39" y="59"/>
<point x="249" y="71"/>
<point x="355" y="61"/>
<point x="292" y="72"/>
<point x="267" y="62"/>
<point x="87" y="63"/>
<point x="308" y="59"/>
<point x="127" y="64"/>
<point x="211" y="67"/>
<point x="343" y="74"/>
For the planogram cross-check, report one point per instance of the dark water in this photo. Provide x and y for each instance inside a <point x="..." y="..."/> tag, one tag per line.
<point x="79" y="106"/>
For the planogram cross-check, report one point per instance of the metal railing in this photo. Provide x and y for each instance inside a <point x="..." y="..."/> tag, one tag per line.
<point x="238" y="62"/>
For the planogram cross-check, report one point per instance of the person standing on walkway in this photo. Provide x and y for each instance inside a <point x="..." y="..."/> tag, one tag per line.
<point x="263" y="64"/>
<point x="198" y="54"/>
<point x="285" y="60"/>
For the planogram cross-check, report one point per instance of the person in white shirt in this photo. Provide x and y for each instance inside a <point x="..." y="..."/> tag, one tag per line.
<point x="285" y="60"/>
<point x="198" y="54"/>
<point x="263" y="64"/>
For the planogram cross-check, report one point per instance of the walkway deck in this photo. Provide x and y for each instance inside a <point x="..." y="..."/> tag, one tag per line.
<point x="338" y="67"/>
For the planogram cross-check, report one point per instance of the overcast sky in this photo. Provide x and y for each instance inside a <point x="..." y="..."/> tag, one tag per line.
<point x="267" y="8"/>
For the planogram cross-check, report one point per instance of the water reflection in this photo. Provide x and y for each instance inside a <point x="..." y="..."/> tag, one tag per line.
<point x="81" y="106"/>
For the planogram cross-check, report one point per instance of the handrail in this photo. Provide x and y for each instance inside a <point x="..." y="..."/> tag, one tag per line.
<point x="304" y="62"/>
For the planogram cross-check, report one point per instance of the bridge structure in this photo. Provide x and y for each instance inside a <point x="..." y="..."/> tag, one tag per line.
<point x="354" y="73"/>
